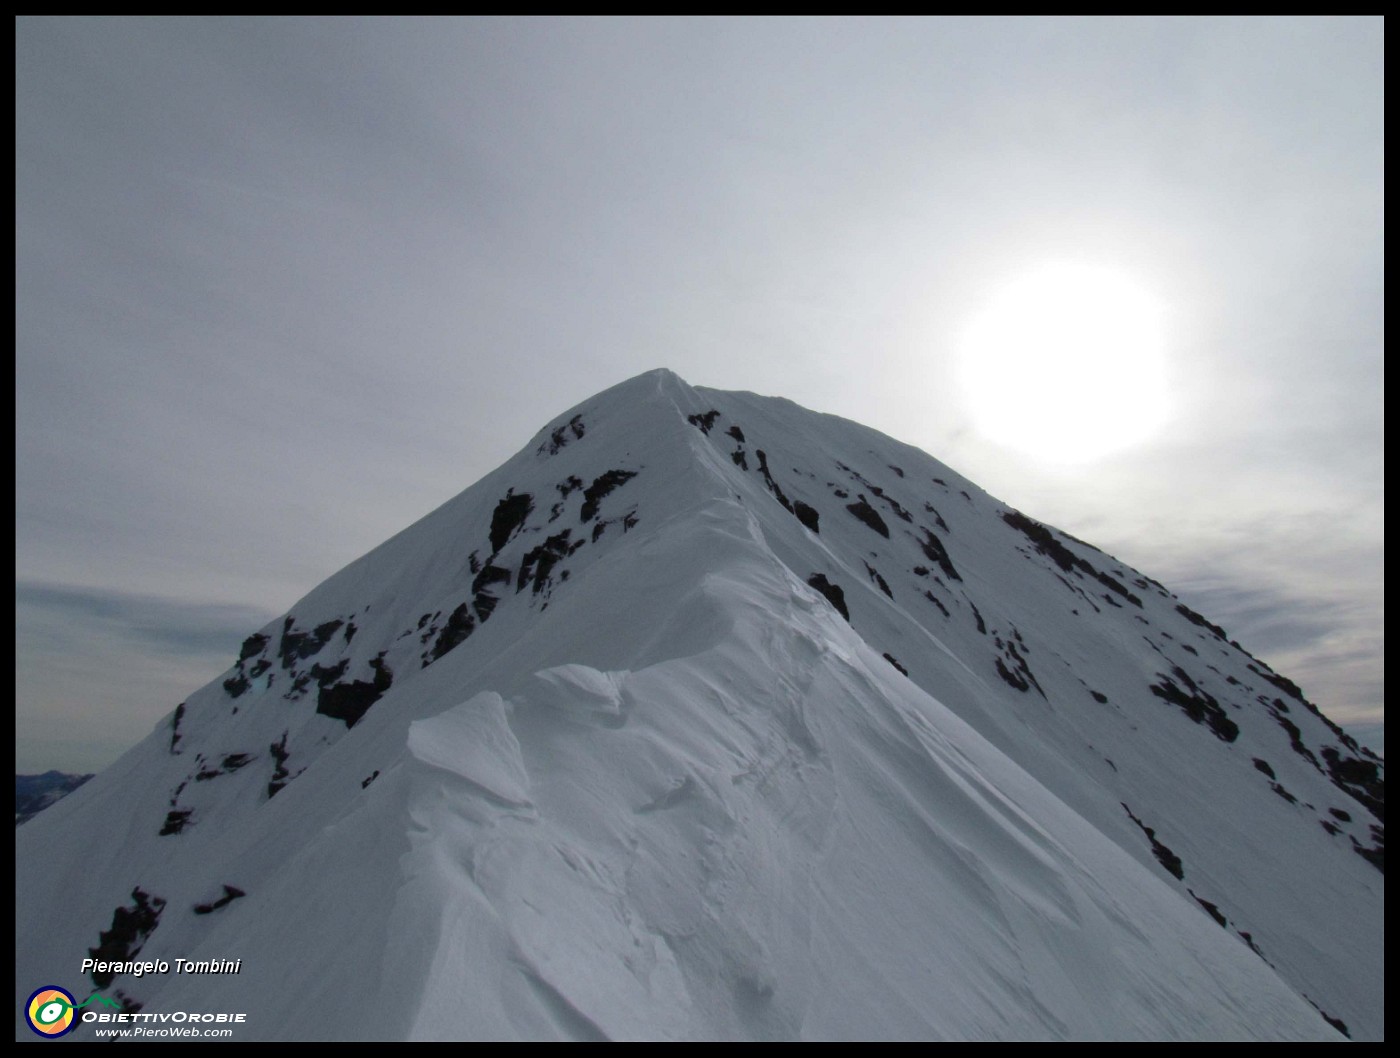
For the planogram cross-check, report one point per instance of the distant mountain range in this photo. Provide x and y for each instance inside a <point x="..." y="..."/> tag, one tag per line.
<point x="34" y="793"/>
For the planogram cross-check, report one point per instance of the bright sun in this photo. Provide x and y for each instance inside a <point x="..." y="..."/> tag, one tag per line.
<point x="1066" y="363"/>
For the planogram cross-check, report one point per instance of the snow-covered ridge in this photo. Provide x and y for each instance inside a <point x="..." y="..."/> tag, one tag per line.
<point x="709" y="716"/>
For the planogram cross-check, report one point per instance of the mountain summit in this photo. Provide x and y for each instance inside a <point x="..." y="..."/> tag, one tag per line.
<point x="706" y="716"/>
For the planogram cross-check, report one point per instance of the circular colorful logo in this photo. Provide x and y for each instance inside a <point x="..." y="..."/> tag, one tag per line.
<point x="50" y="1011"/>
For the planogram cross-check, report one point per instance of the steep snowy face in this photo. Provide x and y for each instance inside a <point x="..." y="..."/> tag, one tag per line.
<point x="707" y="716"/>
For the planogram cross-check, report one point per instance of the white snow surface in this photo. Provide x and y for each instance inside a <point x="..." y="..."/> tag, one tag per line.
<point x="664" y="790"/>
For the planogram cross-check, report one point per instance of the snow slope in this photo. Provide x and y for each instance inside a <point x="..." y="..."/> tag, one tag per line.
<point x="707" y="716"/>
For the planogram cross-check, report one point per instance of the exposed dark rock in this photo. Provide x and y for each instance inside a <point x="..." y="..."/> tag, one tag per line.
<point x="231" y="763"/>
<point x="459" y="626"/>
<point x="130" y="928"/>
<point x="937" y="602"/>
<point x="1196" y="619"/>
<point x="175" y="821"/>
<point x="235" y="685"/>
<point x="280" y="774"/>
<point x="296" y="646"/>
<point x="934" y="550"/>
<point x="1105" y="579"/>
<point x="875" y="490"/>
<point x="1374" y="856"/>
<point x="893" y="504"/>
<point x="1010" y="677"/>
<point x="1044" y="541"/>
<point x="1168" y="859"/>
<point x="252" y="646"/>
<point x="1263" y="765"/>
<point x="569" y="486"/>
<point x="740" y="459"/>
<point x="299" y="685"/>
<point x="1199" y="705"/>
<point x="1295" y="734"/>
<point x="350" y="631"/>
<point x="508" y="517"/>
<point x="1102" y="699"/>
<point x="1359" y="778"/>
<point x="1338" y="813"/>
<point x="175" y="728"/>
<point x="326" y="675"/>
<point x="1336" y="1023"/>
<point x="1211" y="909"/>
<point x="879" y="580"/>
<point x="602" y="485"/>
<point x="262" y="666"/>
<point x="1282" y="791"/>
<point x="867" y="514"/>
<point x="1018" y="673"/>
<point x="937" y="518"/>
<point x="768" y="480"/>
<point x="832" y="592"/>
<point x="1330" y="827"/>
<point x="981" y="624"/>
<point x="483" y="600"/>
<point x="231" y="893"/>
<point x="806" y="515"/>
<point x="323" y="632"/>
<point x="895" y="469"/>
<point x="736" y="433"/>
<point x="891" y="660"/>
<point x="704" y="423"/>
<point x="350" y="701"/>
<point x="1283" y="683"/>
<point x="559" y="436"/>
<point x="540" y="560"/>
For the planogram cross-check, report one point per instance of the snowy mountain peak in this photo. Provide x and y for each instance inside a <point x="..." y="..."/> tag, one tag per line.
<point x="708" y="716"/>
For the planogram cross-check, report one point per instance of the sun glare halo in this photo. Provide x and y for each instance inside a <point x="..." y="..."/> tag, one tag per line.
<point x="1067" y="363"/>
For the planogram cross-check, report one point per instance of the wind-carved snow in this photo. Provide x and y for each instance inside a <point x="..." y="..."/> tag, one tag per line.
<point x="644" y="781"/>
<point x="473" y="742"/>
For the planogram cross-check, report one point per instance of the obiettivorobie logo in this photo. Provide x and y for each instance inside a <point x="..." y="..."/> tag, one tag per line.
<point x="52" y="1011"/>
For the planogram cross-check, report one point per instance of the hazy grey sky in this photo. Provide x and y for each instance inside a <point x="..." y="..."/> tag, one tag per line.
<point x="284" y="286"/>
